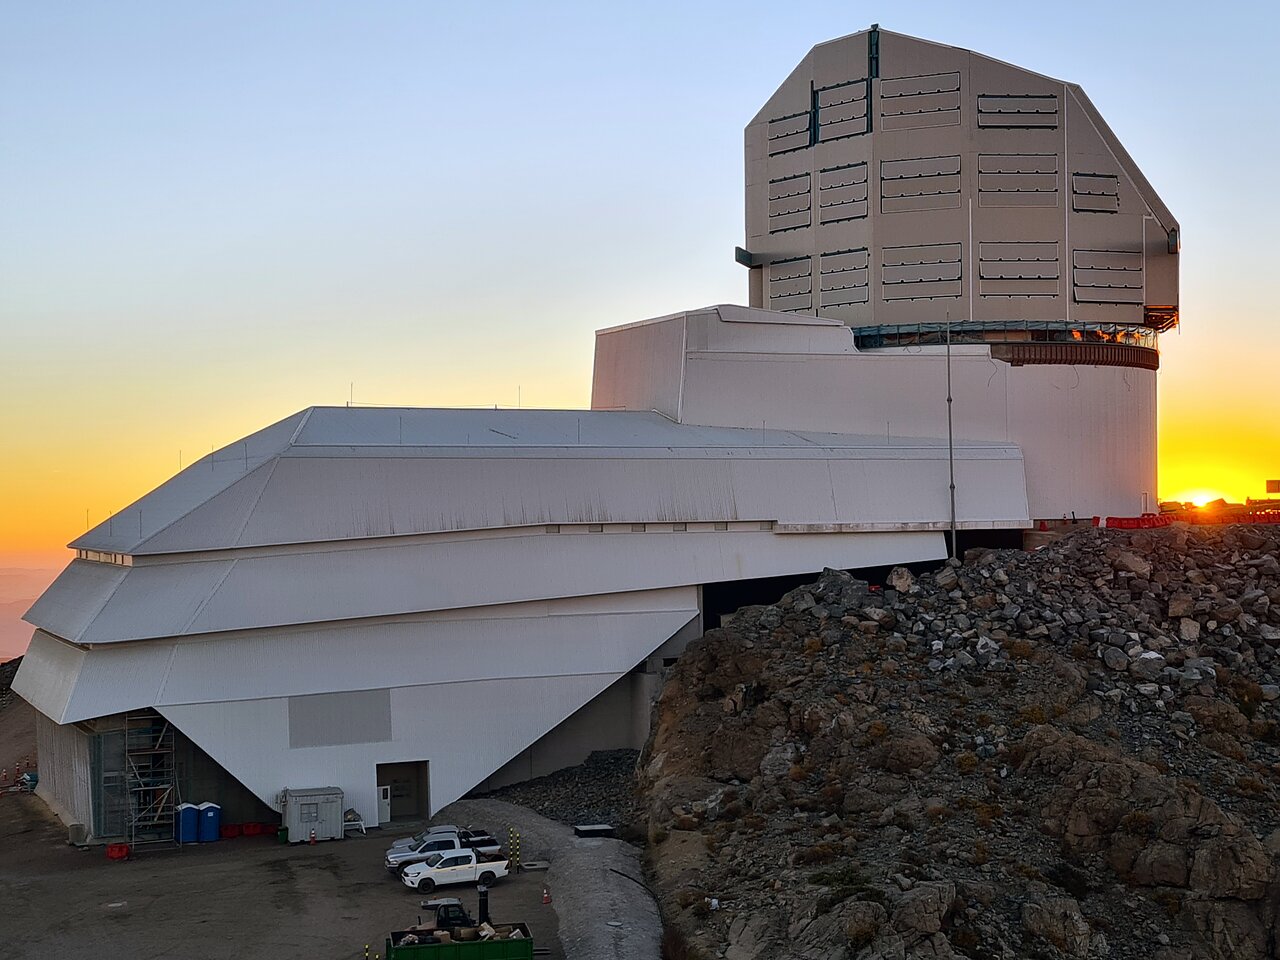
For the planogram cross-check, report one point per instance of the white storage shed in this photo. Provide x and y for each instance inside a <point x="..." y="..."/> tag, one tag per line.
<point x="313" y="808"/>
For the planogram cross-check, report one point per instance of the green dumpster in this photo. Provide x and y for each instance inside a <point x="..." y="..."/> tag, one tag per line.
<point x="519" y="949"/>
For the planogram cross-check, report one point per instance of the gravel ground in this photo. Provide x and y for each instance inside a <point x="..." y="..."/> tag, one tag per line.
<point x="244" y="899"/>
<point x="604" y="909"/>
<point x="600" y="790"/>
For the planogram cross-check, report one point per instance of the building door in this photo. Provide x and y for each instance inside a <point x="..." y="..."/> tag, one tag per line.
<point x="384" y="804"/>
<point x="408" y="785"/>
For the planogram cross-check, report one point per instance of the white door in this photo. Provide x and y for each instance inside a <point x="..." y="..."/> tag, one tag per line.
<point x="384" y="804"/>
<point x="457" y="869"/>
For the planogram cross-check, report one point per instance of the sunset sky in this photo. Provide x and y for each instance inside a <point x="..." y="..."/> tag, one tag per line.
<point x="217" y="214"/>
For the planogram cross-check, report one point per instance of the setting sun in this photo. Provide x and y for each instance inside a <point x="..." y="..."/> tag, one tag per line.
<point x="1199" y="496"/>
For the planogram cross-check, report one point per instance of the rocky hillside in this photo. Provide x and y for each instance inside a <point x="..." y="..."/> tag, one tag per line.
<point x="1067" y="753"/>
<point x="8" y="670"/>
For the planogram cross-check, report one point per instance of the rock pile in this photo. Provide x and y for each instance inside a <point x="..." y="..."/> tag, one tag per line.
<point x="602" y="789"/>
<point x="1067" y="753"/>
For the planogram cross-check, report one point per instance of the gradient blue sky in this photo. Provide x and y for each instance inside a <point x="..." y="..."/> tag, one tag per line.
<point x="216" y="214"/>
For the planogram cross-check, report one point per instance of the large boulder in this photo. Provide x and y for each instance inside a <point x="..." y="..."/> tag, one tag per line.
<point x="1058" y="920"/>
<point x="920" y="911"/>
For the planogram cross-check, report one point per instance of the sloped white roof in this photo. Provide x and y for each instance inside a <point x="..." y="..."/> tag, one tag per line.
<point x="342" y="473"/>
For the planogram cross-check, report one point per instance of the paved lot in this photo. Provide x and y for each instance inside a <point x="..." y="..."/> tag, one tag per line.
<point x="243" y="898"/>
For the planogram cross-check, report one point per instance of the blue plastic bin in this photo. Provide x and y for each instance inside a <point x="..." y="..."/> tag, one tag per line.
<point x="210" y="821"/>
<point x="188" y="823"/>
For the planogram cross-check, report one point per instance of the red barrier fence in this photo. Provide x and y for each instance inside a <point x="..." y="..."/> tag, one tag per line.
<point x="1150" y="521"/>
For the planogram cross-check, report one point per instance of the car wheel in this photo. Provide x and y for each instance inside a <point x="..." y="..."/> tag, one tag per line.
<point x="487" y="877"/>
<point x="426" y="885"/>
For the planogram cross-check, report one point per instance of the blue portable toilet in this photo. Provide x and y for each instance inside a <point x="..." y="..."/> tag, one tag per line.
<point x="210" y="818"/>
<point x="188" y="823"/>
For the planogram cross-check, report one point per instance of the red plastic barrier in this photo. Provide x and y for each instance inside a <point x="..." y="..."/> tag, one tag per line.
<point x="1148" y="521"/>
<point x="117" y="851"/>
<point x="229" y="831"/>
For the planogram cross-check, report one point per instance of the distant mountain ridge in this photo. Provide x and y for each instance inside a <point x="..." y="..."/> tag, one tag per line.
<point x="19" y="587"/>
<point x="15" y="634"/>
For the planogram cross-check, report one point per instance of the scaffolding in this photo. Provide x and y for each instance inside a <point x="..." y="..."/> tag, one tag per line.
<point x="151" y="781"/>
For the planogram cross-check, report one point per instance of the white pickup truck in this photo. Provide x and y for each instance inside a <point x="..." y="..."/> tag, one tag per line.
<point x="453" y="866"/>
<point x="441" y="830"/>
<point x="400" y="856"/>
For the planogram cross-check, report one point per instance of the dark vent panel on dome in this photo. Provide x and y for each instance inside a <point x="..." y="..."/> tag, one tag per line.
<point x="791" y="285"/>
<point x="842" y="110"/>
<point x="1017" y="111"/>
<point x="910" y="103"/>
<point x="789" y="203"/>
<point x="1095" y="193"/>
<point x="1017" y="180"/>
<point x="843" y="277"/>
<point x="842" y="193"/>
<point x="789" y="133"/>
<point x="929" y="183"/>
<point x="921" y="272"/>
<point x="1018" y="269"/>
<point x="1107" y="276"/>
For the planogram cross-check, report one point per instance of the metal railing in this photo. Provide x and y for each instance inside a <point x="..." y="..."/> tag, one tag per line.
<point x="1003" y="331"/>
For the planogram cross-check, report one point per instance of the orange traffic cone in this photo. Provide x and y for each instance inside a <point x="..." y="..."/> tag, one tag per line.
<point x="546" y="895"/>
<point x="4" y="776"/>
<point x="312" y="841"/>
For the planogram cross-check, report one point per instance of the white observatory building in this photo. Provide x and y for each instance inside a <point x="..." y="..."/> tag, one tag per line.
<point x="412" y="603"/>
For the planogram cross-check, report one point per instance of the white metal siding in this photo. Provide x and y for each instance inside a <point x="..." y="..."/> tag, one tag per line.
<point x="442" y="650"/>
<point x="402" y="578"/>
<point x="64" y="770"/>
<point x="49" y="674"/>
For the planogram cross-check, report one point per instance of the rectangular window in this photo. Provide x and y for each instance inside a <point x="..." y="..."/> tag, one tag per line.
<point x="309" y="812"/>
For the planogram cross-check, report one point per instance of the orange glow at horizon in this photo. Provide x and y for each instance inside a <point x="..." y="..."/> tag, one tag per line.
<point x="1198" y="497"/>
<point x="85" y="457"/>
<point x="103" y="467"/>
<point x="79" y="450"/>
